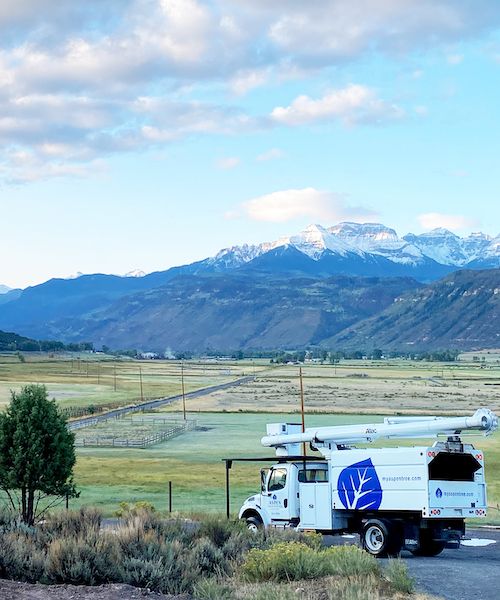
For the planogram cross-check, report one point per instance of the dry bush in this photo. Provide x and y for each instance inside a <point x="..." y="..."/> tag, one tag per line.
<point x="73" y="523"/>
<point x="88" y="560"/>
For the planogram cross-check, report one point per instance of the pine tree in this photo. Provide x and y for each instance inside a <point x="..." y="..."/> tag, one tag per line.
<point x="37" y="453"/>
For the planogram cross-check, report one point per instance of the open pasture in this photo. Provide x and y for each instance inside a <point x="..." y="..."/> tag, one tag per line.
<point x="233" y="421"/>
<point x="192" y="461"/>
<point x="78" y="382"/>
<point x="365" y="387"/>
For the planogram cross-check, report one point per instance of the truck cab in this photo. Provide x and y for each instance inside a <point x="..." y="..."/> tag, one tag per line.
<point x="285" y="487"/>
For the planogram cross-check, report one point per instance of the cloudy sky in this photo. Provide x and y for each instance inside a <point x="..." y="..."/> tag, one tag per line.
<point x="149" y="133"/>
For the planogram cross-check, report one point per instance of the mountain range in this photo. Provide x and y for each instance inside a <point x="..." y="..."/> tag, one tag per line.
<point x="426" y="256"/>
<point x="309" y="288"/>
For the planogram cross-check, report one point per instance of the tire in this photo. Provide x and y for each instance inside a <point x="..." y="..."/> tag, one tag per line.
<point x="428" y="546"/>
<point x="381" y="538"/>
<point x="254" y="524"/>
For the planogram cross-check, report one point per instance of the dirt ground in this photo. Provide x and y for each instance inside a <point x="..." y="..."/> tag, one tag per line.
<point x="13" y="590"/>
<point x="359" y="393"/>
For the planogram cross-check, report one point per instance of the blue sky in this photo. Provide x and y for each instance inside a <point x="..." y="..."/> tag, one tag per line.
<point x="149" y="133"/>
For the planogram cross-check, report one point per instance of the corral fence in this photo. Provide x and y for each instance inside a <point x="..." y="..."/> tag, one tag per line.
<point x="110" y="441"/>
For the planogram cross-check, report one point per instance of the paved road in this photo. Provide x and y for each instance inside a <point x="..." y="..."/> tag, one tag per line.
<point x="152" y="404"/>
<point x="470" y="573"/>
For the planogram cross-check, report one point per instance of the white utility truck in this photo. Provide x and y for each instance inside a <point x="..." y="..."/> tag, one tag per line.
<point x="406" y="497"/>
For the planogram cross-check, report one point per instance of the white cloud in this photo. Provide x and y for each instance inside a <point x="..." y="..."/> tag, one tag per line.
<point x="229" y="162"/>
<point x="454" y="59"/>
<point x="249" y="79"/>
<point x="310" y="203"/>
<point x="96" y="61"/>
<point x="272" y="154"/>
<point x="434" y="220"/>
<point x="352" y="104"/>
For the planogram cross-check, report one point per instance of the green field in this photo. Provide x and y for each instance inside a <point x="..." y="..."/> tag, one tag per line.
<point x="232" y="421"/>
<point x="193" y="463"/>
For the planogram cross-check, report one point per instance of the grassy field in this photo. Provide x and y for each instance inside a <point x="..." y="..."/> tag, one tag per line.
<point x="366" y="387"/>
<point x="91" y="379"/>
<point x="193" y="462"/>
<point x="233" y="420"/>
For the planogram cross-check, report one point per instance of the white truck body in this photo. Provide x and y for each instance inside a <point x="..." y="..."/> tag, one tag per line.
<point x="431" y="488"/>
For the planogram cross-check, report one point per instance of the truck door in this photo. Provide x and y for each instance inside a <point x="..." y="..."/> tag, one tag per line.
<point x="276" y="498"/>
<point x="315" y="499"/>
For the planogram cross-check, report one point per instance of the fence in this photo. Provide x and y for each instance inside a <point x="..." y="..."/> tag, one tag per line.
<point x="144" y="442"/>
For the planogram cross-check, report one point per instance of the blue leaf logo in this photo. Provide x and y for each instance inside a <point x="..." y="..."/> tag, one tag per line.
<point x="359" y="486"/>
<point x="439" y="493"/>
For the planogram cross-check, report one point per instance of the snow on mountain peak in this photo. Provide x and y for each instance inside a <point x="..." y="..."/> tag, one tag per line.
<point x="372" y="239"/>
<point x="369" y="231"/>
<point x="135" y="273"/>
<point x="4" y="289"/>
<point x="439" y="232"/>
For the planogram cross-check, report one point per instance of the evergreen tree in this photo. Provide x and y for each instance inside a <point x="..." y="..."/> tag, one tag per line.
<point x="37" y="453"/>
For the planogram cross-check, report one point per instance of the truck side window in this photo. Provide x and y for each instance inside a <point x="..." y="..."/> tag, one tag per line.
<point x="277" y="481"/>
<point x="313" y="476"/>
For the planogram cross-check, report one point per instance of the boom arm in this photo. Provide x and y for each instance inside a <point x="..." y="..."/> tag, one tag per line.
<point x="482" y="420"/>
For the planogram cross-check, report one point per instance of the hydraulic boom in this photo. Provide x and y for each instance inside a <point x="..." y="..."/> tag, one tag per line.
<point x="483" y="420"/>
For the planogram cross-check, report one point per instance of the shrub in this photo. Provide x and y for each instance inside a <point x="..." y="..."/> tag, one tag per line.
<point x="73" y="523"/>
<point x="219" y="530"/>
<point x="84" y="561"/>
<point x="398" y="576"/>
<point x="348" y="561"/>
<point x="161" y="567"/>
<point x="207" y="557"/>
<point x="20" y="559"/>
<point x="125" y="509"/>
<point x="283" y="562"/>
<point x="295" y="560"/>
<point x="211" y="589"/>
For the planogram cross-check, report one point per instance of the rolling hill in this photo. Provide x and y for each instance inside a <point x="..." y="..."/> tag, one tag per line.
<point x="460" y="311"/>
<point x="236" y="311"/>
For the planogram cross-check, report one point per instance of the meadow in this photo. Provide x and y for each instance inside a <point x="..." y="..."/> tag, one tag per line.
<point x="92" y="379"/>
<point x="231" y="422"/>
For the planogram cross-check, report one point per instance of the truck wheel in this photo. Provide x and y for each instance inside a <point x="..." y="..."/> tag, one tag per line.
<point x="428" y="546"/>
<point x="254" y="524"/>
<point x="381" y="538"/>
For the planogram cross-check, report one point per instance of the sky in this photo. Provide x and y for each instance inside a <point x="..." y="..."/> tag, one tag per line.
<point x="143" y="134"/>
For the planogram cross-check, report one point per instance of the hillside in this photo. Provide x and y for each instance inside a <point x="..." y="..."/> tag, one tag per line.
<point x="12" y="341"/>
<point x="236" y="311"/>
<point x="460" y="311"/>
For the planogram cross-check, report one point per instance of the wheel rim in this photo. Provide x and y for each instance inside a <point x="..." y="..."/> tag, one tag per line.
<point x="374" y="539"/>
<point x="252" y="527"/>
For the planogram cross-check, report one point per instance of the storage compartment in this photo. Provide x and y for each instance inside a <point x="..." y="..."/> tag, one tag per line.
<point x="447" y="466"/>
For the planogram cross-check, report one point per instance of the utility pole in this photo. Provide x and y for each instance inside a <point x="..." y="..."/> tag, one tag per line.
<point x="302" y="409"/>
<point x="140" y="380"/>
<point x="183" y="391"/>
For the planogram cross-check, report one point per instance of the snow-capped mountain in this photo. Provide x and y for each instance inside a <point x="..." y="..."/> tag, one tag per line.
<point x="4" y="289"/>
<point x="367" y="241"/>
<point x="135" y="273"/>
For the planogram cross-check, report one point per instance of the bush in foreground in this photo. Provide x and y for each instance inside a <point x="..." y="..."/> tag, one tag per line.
<point x="209" y="559"/>
<point x="294" y="561"/>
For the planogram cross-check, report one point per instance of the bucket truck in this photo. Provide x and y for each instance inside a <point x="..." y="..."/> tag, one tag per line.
<point x="415" y="498"/>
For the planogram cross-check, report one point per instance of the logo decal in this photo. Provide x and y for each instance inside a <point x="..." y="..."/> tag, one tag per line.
<point x="439" y="493"/>
<point x="359" y="486"/>
<point x="274" y="496"/>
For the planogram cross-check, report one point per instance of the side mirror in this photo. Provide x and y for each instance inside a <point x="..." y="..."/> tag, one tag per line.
<point x="263" y="480"/>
